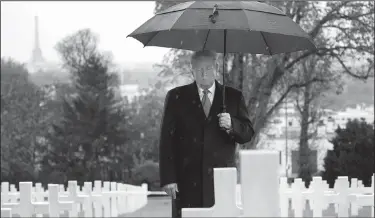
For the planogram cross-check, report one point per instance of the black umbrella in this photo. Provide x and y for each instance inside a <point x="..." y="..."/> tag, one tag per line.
<point x="224" y="27"/>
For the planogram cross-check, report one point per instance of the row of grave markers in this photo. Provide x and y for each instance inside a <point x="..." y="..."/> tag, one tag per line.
<point x="262" y="193"/>
<point x="110" y="200"/>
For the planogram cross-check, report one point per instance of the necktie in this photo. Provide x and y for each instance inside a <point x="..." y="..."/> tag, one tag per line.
<point x="206" y="102"/>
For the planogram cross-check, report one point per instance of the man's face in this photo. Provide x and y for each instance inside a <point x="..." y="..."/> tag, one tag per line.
<point x="204" y="71"/>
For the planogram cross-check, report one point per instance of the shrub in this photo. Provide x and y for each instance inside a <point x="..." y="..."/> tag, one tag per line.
<point x="147" y="173"/>
<point x="352" y="154"/>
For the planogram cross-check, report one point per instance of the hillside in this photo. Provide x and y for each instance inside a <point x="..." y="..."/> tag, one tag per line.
<point x="49" y="77"/>
<point x="355" y="92"/>
<point x="141" y="74"/>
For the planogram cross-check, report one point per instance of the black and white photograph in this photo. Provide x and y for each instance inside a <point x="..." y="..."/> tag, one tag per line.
<point x="178" y="109"/>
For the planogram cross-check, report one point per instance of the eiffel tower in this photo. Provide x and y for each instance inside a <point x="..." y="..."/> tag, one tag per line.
<point x="36" y="56"/>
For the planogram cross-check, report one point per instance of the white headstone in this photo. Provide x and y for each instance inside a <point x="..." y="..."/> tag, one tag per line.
<point x="260" y="183"/>
<point x="6" y="212"/>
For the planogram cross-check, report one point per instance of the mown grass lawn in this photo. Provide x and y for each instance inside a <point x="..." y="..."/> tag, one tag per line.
<point x="161" y="207"/>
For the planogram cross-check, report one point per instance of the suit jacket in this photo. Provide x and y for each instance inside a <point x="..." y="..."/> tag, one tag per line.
<point x="191" y="144"/>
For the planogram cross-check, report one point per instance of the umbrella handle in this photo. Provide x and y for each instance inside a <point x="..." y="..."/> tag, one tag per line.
<point x="224" y="54"/>
<point x="224" y="107"/>
<point x="215" y="12"/>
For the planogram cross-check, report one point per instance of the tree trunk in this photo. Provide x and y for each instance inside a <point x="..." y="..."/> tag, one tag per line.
<point x="236" y="72"/>
<point x="264" y="96"/>
<point x="304" y="150"/>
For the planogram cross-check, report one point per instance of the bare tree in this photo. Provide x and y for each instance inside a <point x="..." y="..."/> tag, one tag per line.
<point x="308" y="104"/>
<point x="343" y="32"/>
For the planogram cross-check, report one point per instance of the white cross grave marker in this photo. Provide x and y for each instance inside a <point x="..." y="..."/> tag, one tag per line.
<point x="317" y="202"/>
<point x="39" y="192"/>
<point x="284" y="197"/>
<point x="366" y="200"/>
<point x="298" y="198"/>
<point x="25" y="207"/>
<point x="354" y="189"/>
<point x="225" y="181"/>
<point x="114" y="201"/>
<point x="95" y="201"/>
<point x="342" y="189"/>
<point x="77" y="200"/>
<point x="97" y="204"/>
<point x="4" y="192"/>
<point x="106" y="199"/>
<point x="55" y="206"/>
<point x="13" y="194"/>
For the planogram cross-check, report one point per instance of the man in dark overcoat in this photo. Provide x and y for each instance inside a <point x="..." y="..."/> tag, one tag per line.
<point x="197" y="137"/>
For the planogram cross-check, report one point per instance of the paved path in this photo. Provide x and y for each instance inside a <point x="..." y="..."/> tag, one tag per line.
<point x="156" y="207"/>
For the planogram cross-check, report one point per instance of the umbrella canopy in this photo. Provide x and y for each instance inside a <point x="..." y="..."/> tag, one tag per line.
<point x="224" y="27"/>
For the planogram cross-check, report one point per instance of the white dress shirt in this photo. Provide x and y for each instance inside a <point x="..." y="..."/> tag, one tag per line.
<point x="210" y="94"/>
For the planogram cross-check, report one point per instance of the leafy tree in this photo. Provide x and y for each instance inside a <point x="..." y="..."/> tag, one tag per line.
<point x="23" y="123"/>
<point x="148" y="173"/>
<point x="343" y="32"/>
<point x="145" y="122"/>
<point x="352" y="154"/>
<point x="89" y="142"/>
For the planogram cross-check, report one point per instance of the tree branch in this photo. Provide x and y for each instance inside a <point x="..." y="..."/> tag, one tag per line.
<point x="343" y="30"/>
<point x="322" y="52"/>
<point x="314" y="32"/>
<point x="347" y="70"/>
<point x="313" y="118"/>
<point x="291" y="87"/>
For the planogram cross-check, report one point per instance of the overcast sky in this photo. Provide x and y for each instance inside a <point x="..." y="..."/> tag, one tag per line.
<point x="113" y="21"/>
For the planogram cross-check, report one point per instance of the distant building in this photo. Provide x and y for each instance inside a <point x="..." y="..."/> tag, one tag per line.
<point x="130" y="92"/>
<point x="330" y="122"/>
<point x="282" y="134"/>
<point x="38" y="62"/>
<point x="288" y="152"/>
<point x="285" y="121"/>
